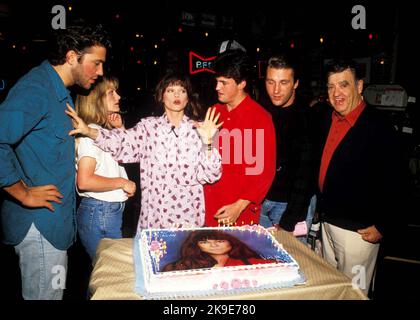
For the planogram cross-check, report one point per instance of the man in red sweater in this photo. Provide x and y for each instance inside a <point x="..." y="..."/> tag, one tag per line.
<point x="246" y="143"/>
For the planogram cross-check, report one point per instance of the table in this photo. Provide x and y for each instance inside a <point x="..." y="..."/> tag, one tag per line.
<point x="113" y="275"/>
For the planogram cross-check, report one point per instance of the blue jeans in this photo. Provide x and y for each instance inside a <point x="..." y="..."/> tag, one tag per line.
<point x="272" y="211"/>
<point x="43" y="268"/>
<point x="96" y="220"/>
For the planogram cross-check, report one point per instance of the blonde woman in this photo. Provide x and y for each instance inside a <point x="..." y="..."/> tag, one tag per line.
<point x="101" y="182"/>
<point x="175" y="154"/>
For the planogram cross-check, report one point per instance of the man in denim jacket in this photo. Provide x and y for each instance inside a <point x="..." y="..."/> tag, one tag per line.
<point x="37" y="157"/>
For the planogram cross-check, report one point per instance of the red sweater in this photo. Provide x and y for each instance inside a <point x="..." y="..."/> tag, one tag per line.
<point x="247" y="144"/>
<point x="338" y="130"/>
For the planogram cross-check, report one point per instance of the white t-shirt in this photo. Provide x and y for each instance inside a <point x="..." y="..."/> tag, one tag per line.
<point x="106" y="166"/>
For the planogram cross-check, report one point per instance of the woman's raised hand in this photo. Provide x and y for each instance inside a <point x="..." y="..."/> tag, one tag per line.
<point x="80" y="127"/>
<point x="208" y="128"/>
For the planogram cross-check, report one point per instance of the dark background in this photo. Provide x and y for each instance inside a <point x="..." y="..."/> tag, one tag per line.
<point x="136" y="28"/>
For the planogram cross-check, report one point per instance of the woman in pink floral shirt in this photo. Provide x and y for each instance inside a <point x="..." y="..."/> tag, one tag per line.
<point x="175" y="155"/>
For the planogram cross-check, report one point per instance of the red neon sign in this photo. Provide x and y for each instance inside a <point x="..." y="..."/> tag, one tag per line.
<point x="200" y="64"/>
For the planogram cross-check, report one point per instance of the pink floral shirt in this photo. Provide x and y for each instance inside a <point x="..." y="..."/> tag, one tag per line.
<point x="173" y="169"/>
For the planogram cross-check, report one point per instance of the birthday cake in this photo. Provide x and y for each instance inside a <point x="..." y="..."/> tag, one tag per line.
<point x="181" y="263"/>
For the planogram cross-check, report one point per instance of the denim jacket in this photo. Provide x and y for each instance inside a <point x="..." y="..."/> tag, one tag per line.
<point x="35" y="147"/>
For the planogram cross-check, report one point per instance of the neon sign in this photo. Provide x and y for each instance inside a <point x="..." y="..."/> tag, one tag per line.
<point x="200" y="64"/>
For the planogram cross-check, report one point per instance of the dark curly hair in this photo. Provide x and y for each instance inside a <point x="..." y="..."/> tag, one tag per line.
<point x="338" y="65"/>
<point x="77" y="37"/>
<point x="233" y="64"/>
<point x="193" y="258"/>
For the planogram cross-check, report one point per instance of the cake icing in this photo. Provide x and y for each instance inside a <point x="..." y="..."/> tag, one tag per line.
<point x="186" y="262"/>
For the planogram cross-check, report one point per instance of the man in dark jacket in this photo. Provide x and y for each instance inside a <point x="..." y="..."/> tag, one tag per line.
<point x="358" y="177"/>
<point x="291" y="198"/>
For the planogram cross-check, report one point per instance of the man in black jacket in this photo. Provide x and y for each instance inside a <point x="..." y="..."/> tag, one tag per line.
<point x="291" y="198"/>
<point x="358" y="177"/>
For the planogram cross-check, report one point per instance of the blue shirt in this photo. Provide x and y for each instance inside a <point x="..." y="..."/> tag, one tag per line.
<point x="35" y="147"/>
